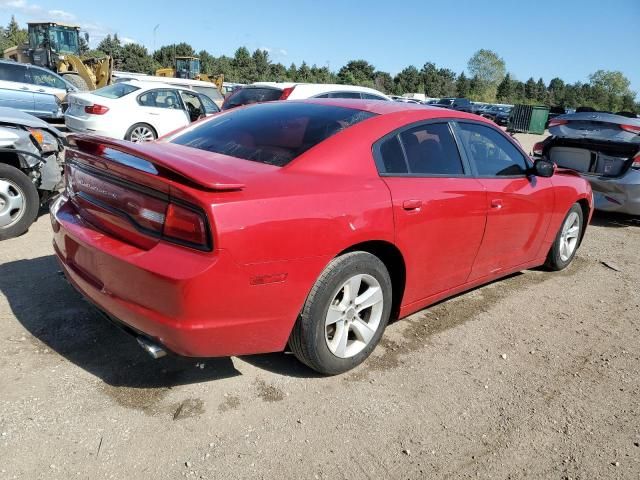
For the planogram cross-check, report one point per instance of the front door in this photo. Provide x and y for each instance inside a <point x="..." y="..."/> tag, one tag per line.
<point x="518" y="204"/>
<point x="439" y="208"/>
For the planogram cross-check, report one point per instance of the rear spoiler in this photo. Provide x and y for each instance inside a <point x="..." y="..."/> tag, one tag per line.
<point x="153" y="158"/>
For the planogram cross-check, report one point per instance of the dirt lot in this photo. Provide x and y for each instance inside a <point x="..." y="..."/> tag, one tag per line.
<point x="534" y="376"/>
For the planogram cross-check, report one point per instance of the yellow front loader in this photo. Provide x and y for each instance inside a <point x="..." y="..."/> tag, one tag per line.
<point x="56" y="46"/>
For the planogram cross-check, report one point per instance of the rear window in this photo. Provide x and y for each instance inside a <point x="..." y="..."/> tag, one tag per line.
<point x="117" y="90"/>
<point x="271" y="133"/>
<point x="245" y="96"/>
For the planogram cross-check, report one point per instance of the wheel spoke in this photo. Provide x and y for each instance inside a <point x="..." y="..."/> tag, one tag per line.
<point x="362" y="330"/>
<point x="4" y="188"/>
<point x="5" y="218"/>
<point x="334" y="314"/>
<point x="573" y="232"/>
<point x="369" y="298"/>
<point x="352" y="287"/>
<point x="338" y="344"/>
<point x="15" y="202"/>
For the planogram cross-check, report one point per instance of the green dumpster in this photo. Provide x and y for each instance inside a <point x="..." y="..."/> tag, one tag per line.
<point x="528" y="119"/>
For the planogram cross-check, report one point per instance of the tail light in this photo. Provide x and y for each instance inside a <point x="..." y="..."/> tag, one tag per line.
<point x="135" y="214"/>
<point x="636" y="161"/>
<point x="184" y="224"/>
<point x="557" y="122"/>
<point x="96" y="109"/>
<point x="630" y="128"/>
<point x="538" y="148"/>
<point x="286" y="92"/>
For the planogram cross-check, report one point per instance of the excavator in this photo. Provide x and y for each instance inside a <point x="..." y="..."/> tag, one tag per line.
<point x="56" y="46"/>
<point x="189" y="68"/>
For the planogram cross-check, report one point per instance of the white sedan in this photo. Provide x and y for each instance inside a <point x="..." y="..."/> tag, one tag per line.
<point x="136" y="111"/>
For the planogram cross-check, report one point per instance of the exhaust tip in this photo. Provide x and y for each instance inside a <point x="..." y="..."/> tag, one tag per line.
<point x="156" y="351"/>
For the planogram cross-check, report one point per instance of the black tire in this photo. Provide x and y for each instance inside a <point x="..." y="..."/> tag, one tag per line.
<point x="555" y="262"/>
<point x="77" y="81"/>
<point x="308" y="341"/>
<point x="129" y="134"/>
<point x="21" y="184"/>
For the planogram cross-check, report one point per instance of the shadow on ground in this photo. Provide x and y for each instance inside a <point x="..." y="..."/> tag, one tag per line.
<point x="56" y="315"/>
<point x="615" y="220"/>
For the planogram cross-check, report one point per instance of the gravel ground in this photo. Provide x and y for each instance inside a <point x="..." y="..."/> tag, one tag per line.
<point x="533" y="376"/>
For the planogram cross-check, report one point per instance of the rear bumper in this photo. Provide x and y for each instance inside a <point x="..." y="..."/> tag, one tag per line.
<point x="620" y="195"/>
<point x="197" y="304"/>
<point x="81" y="125"/>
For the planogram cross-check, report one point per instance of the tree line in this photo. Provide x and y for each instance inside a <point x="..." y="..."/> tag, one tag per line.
<point x="487" y="79"/>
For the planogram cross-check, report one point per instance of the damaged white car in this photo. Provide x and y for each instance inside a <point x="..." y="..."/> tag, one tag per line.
<point x="31" y="169"/>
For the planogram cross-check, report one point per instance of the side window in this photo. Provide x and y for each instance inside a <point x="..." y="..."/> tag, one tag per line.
<point x="13" y="73"/>
<point x="492" y="153"/>
<point x="431" y="150"/>
<point x="160" y="99"/>
<point x="209" y="106"/>
<point x="195" y="108"/>
<point x="344" y="95"/>
<point x="46" y="79"/>
<point x="324" y="95"/>
<point x="392" y="157"/>
<point x="370" y="96"/>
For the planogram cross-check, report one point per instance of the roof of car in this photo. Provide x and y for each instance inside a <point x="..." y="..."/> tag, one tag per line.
<point x="324" y="86"/>
<point x="151" y="85"/>
<point x="383" y="108"/>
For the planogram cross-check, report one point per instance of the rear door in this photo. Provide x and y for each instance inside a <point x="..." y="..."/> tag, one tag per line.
<point x="439" y="208"/>
<point x="519" y="205"/>
<point x="48" y="92"/>
<point x="15" y="91"/>
<point x="163" y="109"/>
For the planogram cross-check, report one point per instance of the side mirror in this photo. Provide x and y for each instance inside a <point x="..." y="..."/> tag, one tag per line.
<point x="543" y="168"/>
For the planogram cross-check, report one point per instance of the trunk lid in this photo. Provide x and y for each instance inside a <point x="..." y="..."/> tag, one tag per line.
<point x="144" y="193"/>
<point x="596" y="126"/>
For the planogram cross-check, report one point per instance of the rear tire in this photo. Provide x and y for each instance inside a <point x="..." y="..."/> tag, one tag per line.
<point x="140" y="133"/>
<point x="77" y="81"/>
<point x="344" y="315"/>
<point x="19" y="202"/>
<point x="567" y="240"/>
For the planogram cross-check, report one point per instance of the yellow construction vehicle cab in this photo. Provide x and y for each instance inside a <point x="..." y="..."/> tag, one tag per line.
<point x="189" y="68"/>
<point x="56" y="46"/>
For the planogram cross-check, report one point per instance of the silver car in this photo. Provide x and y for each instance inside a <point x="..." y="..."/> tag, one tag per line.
<point x="605" y="149"/>
<point x="33" y="90"/>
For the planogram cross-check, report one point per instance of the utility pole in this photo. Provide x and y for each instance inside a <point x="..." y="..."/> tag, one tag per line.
<point x="155" y="29"/>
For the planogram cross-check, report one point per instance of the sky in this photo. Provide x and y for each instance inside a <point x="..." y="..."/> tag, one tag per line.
<point x="537" y="38"/>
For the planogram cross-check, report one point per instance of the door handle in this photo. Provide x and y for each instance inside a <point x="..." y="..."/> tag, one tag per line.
<point x="41" y="90"/>
<point x="496" y="203"/>
<point x="24" y="88"/>
<point x="412" y="204"/>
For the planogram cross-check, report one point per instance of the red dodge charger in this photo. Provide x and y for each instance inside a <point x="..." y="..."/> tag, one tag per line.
<point x="308" y="223"/>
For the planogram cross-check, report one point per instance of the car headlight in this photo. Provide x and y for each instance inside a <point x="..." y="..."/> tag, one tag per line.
<point x="46" y="141"/>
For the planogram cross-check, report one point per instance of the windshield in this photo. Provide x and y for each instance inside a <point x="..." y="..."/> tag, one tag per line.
<point x="271" y="133"/>
<point x="64" y="40"/>
<point x="187" y="68"/>
<point x="116" y="90"/>
<point x="247" y="95"/>
<point x="445" y="101"/>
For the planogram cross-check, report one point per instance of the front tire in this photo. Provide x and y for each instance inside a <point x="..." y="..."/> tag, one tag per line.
<point x="77" y="81"/>
<point x="565" y="245"/>
<point x="344" y="315"/>
<point x="19" y="202"/>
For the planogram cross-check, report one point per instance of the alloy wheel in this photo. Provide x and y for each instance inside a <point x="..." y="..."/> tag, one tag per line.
<point x="569" y="236"/>
<point x="12" y="204"/>
<point x="142" y="134"/>
<point x="354" y="315"/>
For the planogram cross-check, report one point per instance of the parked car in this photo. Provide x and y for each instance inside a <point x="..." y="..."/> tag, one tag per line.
<point x="30" y="169"/>
<point x="309" y="223"/>
<point x="605" y="149"/>
<point x="33" y="90"/>
<point x="200" y="86"/>
<point x="270" y="91"/>
<point x="479" y="108"/>
<point x="460" y="104"/>
<point x="497" y="113"/>
<point x="136" y="111"/>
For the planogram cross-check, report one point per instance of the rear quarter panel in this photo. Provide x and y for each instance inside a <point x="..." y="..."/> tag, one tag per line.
<point x="569" y="188"/>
